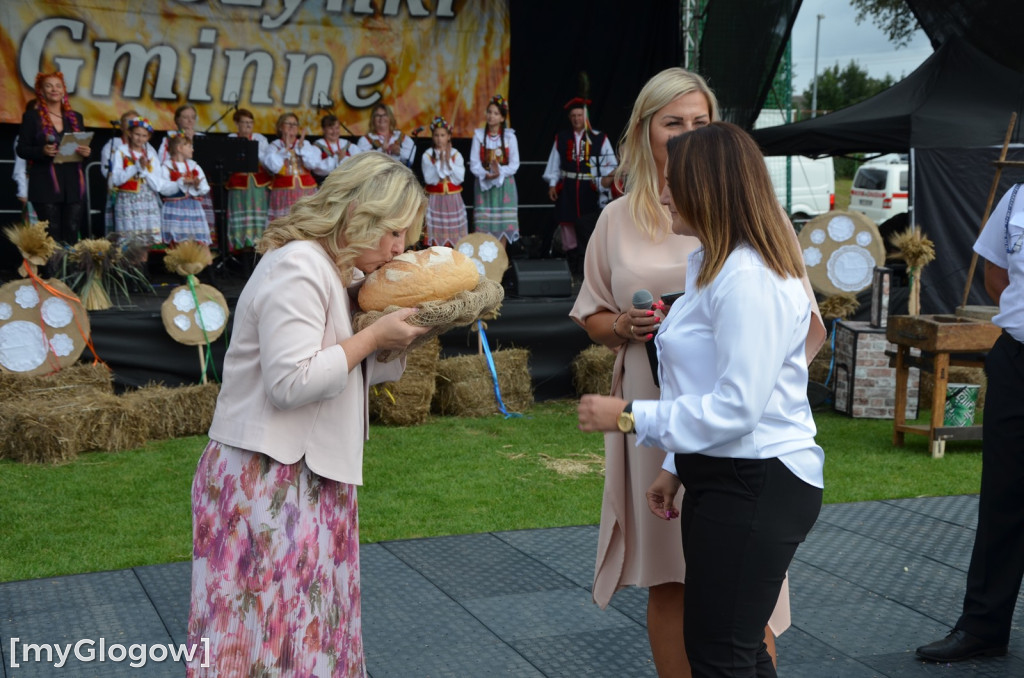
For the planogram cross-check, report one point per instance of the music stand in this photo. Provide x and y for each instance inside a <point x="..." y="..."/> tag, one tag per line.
<point x="220" y="157"/>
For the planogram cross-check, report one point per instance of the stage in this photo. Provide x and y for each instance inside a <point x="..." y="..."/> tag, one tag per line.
<point x="133" y="342"/>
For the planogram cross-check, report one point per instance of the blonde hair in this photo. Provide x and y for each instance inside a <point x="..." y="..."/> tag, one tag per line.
<point x="365" y="198"/>
<point x="280" y="121"/>
<point x="637" y="169"/>
<point x="721" y="189"/>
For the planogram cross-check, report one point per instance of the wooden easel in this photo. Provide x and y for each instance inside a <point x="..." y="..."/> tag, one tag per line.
<point x="1000" y="164"/>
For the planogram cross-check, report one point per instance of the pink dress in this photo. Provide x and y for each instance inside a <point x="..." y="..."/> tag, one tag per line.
<point x="634" y="548"/>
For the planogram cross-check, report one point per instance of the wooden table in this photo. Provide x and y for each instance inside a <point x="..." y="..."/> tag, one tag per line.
<point x="937" y="336"/>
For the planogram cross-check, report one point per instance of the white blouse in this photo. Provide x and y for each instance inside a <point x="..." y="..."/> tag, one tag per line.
<point x="484" y="140"/>
<point x="733" y="371"/>
<point x="434" y="171"/>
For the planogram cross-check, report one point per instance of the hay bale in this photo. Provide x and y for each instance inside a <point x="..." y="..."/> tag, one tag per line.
<point x="77" y="377"/>
<point x="465" y="387"/>
<point x="51" y="432"/>
<point x="406" y="402"/>
<point x="174" y="412"/>
<point x="592" y="370"/>
<point x="817" y="371"/>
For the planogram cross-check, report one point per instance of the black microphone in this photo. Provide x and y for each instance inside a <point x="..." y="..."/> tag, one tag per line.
<point x="643" y="299"/>
<point x="419" y="129"/>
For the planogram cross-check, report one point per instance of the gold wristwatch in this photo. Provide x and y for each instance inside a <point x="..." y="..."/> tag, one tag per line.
<point x="626" y="421"/>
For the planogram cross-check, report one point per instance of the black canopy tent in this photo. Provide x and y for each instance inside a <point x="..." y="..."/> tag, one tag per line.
<point x="951" y="115"/>
<point x="958" y="97"/>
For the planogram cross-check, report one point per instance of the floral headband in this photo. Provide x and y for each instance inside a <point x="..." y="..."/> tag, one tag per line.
<point x="500" y="102"/>
<point x="140" y="122"/>
<point x="439" y="121"/>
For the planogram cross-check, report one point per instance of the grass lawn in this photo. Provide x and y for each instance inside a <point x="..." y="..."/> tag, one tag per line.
<point x="449" y="476"/>
<point x="843" y="193"/>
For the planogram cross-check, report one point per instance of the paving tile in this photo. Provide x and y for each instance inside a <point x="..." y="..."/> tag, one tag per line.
<point x="476" y="565"/>
<point x="169" y="588"/>
<point x="549" y="613"/>
<point x="615" y="653"/>
<point x="569" y="551"/>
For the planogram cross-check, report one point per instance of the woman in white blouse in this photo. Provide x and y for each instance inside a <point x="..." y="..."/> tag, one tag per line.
<point x="733" y="412"/>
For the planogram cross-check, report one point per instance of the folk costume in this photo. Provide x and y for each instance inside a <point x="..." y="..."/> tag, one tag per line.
<point x="577" y="163"/>
<point x="406" y="148"/>
<point x="292" y="179"/>
<point x="446" y="219"/>
<point x="205" y="200"/>
<point x="333" y="154"/>
<point x="140" y="182"/>
<point x="248" y="201"/>
<point x="106" y="165"/>
<point x="183" y="214"/>
<point x="496" y="203"/>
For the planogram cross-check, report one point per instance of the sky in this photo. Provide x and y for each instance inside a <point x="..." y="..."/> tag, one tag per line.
<point x="843" y="40"/>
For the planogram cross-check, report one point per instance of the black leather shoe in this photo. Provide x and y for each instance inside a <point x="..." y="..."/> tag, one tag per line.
<point x="958" y="646"/>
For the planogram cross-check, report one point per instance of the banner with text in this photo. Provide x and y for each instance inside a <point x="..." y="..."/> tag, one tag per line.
<point x="308" y="57"/>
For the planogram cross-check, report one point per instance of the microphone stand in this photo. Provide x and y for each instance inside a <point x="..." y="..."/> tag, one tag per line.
<point x="223" y="115"/>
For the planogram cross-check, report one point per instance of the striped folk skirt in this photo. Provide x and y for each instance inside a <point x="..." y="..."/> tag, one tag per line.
<point x="496" y="211"/>
<point x="139" y="215"/>
<point x="275" y="569"/>
<point x="282" y="199"/>
<point x="185" y="219"/>
<point x="247" y="216"/>
<point x="446" y="219"/>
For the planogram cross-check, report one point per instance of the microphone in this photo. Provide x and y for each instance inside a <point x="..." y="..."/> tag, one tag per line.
<point x="419" y="129"/>
<point x="643" y="299"/>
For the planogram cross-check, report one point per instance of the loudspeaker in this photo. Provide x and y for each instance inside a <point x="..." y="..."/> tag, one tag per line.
<point x="538" y="278"/>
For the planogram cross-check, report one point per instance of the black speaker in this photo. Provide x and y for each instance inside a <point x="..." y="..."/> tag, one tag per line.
<point x="538" y="278"/>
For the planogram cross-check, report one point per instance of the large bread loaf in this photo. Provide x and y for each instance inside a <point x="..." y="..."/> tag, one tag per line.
<point x="411" y="278"/>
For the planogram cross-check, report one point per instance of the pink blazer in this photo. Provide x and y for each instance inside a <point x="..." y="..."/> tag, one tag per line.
<point x="287" y="391"/>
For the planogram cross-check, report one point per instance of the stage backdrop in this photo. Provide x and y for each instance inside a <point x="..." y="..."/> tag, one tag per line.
<point x="423" y="57"/>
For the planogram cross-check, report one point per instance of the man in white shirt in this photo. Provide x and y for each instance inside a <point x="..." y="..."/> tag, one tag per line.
<point x="997" y="561"/>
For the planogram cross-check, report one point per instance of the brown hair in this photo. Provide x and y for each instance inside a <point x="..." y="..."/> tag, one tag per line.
<point x="242" y="113"/>
<point x="721" y="189"/>
<point x="175" y="142"/>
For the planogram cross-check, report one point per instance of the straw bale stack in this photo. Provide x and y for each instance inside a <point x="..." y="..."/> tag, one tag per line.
<point x="174" y="412"/>
<point x="465" y="387"/>
<point x="592" y="370"/>
<point x="406" y="402"/>
<point x="55" y="431"/>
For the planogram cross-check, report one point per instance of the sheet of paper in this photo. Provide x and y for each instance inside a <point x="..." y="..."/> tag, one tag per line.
<point x="69" y="143"/>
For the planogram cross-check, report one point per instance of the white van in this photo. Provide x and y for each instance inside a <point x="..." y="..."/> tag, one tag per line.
<point x="810" y="189"/>
<point x="880" y="188"/>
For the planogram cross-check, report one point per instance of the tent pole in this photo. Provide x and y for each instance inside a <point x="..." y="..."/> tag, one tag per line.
<point x="988" y="206"/>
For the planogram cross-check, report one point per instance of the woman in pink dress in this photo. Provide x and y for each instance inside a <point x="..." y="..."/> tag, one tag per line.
<point x="633" y="248"/>
<point x="275" y="554"/>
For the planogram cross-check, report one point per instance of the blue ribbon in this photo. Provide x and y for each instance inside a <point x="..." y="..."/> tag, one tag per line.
<point x="832" y="361"/>
<point x="494" y="372"/>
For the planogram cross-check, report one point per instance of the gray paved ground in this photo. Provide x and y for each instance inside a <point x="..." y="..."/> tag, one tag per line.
<point x="873" y="581"/>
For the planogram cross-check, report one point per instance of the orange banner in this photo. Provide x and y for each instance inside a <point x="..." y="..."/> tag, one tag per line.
<point x="309" y="57"/>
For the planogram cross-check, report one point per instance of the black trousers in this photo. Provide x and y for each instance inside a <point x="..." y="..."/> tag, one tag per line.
<point x="65" y="219"/>
<point x="742" y="520"/>
<point x="997" y="561"/>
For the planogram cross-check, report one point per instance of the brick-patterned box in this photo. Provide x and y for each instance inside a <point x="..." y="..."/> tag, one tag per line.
<point x="865" y="384"/>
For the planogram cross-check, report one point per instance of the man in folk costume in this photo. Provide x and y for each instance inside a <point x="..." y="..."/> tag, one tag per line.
<point x="580" y="164"/>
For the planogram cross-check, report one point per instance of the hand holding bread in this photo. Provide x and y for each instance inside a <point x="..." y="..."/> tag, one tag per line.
<point x="391" y="332"/>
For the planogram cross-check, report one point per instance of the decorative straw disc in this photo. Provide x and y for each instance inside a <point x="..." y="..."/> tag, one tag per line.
<point x="186" y="316"/>
<point x="40" y="332"/>
<point x="841" y="250"/>
<point x="486" y="252"/>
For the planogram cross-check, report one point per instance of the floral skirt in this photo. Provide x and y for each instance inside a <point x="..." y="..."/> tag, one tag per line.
<point x="275" y="569"/>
